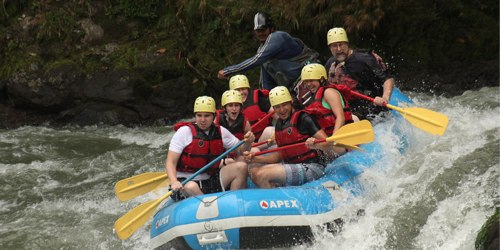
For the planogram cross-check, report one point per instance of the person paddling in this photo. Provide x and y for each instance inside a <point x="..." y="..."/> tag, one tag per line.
<point x="327" y="104"/>
<point x="359" y="71"/>
<point x="194" y="145"/>
<point x="295" y="166"/>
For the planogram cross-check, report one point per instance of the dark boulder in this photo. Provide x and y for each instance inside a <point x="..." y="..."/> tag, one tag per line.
<point x="64" y="95"/>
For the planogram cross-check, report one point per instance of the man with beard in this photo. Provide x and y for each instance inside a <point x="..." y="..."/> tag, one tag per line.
<point x="361" y="72"/>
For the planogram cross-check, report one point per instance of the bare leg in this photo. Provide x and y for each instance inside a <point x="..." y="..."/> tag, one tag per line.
<point x="192" y="189"/>
<point x="266" y="134"/>
<point x="268" y="176"/>
<point x="227" y="161"/>
<point x="235" y="175"/>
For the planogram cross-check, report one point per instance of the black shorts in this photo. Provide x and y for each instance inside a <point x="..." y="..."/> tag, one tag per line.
<point x="210" y="185"/>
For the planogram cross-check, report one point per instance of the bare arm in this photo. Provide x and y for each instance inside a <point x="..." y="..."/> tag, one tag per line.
<point x="388" y="87"/>
<point x="386" y="96"/>
<point x="247" y="146"/>
<point x="171" y="168"/>
<point x="248" y="127"/>
<point x="327" y="148"/>
<point x="332" y="97"/>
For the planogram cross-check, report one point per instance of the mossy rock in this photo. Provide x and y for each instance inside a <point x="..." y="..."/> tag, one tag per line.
<point x="487" y="238"/>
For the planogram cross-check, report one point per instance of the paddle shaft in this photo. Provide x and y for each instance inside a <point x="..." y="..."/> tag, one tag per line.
<point x="372" y="100"/>
<point x="261" y="143"/>
<point x="153" y="204"/>
<point x="285" y="147"/>
<point x="348" y="135"/>
<point x="201" y="170"/>
<point x="163" y="176"/>
<point x="357" y="94"/>
<point x="262" y="119"/>
<point x="259" y="122"/>
<point x="428" y="120"/>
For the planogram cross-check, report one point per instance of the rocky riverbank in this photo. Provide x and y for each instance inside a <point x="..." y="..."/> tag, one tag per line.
<point x="123" y="62"/>
<point x="117" y="97"/>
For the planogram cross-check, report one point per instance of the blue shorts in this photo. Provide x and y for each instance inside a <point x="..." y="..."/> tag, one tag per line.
<point x="300" y="173"/>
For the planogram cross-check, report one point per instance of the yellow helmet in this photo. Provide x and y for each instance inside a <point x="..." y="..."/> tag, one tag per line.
<point x="279" y="95"/>
<point x="204" y="104"/>
<point x="238" y="81"/>
<point x="313" y="71"/>
<point x="336" y="35"/>
<point x="231" y="96"/>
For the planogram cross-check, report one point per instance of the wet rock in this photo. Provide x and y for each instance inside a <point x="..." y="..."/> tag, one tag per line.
<point x="65" y="95"/>
<point x="49" y="91"/>
<point x="100" y="113"/>
<point x="113" y="86"/>
<point x="93" y="32"/>
<point x="488" y="236"/>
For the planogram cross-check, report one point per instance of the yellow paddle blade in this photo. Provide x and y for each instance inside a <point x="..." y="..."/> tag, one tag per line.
<point x="354" y="133"/>
<point x="430" y="121"/>
<point x="126" y="225"/>
<point x="134" y="186"/>
<point x="347" y="146"/>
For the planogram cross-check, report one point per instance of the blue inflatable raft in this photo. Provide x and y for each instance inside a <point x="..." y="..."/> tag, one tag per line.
<point x="264" y="218"/>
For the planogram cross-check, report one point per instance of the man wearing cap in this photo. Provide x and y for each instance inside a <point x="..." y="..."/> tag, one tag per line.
<point x="197" y="143"/>
<point x="280" y="56"/>
<point x="296" y="165"/>
<point x="360" y="71"/>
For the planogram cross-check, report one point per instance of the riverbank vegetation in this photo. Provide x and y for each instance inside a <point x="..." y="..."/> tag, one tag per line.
<point x="200" y="37"/>
<point x="146" y="60"/>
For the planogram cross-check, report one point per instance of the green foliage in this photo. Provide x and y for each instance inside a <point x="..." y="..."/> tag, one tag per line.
<point x="201" y="28"/>
<point x="126" y="58"/>
<point x="11" y="9"/>
<point x="90" y="64"/>
<point x="201" y="37"/>
<point x="17" y="61"/>
<point x="57" y="25"/>
<point x="57" y="63"/>
<point x="48" y="21"/>
<point x="146" y="9"/>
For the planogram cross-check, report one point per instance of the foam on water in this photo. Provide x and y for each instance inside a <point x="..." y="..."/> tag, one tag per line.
<point x="57" y="184"/>
<point x="438" y="194"/>
<point x="151" y="139"/>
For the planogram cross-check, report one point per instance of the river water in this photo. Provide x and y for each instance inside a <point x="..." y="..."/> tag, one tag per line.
<point x="57" y="184"/>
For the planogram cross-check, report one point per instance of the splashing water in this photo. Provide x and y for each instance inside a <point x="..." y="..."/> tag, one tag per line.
<point x="57" y="184"/>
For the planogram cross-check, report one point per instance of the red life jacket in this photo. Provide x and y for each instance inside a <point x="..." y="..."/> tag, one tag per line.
<point x="287" y="133"/>
<point x="237" y="129"/>
<point x="202" y="150"/>
<point x="253" y="113"/>
<point x="325" y="117"/>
